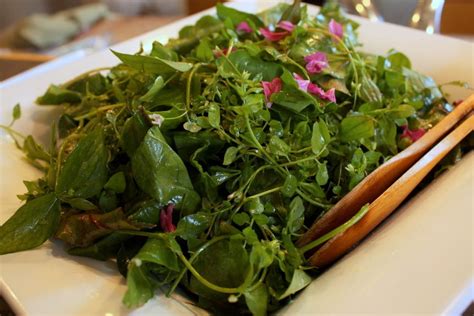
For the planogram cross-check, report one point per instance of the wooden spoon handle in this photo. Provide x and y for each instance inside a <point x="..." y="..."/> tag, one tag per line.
<point x="390" y="199"/>
<point x="381" y="178"/>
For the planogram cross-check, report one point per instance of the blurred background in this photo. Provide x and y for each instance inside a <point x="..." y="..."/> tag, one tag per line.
<point x="36" y="31"/>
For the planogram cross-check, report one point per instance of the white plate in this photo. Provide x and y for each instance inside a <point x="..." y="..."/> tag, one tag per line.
<point x="419" y="261"/>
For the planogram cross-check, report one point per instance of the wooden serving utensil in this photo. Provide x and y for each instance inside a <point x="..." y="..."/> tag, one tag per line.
<point x="386" y="203"/>
<point x="379" y="180"/>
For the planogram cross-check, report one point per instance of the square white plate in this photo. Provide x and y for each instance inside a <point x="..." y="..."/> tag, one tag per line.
<point x="418" y="261"/>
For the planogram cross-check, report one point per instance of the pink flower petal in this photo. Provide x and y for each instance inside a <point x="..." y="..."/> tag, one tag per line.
<point x="286" y="25"/>
<point x="244" y="27"/>
<point x="336" y="28"/>
<point x="329" y="95"/>
<point x="166" y="219"/>
<point x="269" y="88"/>
<point x="273" y="36"/>
<point x="316" y="62"/>
<point x="302" y="83"/>
<point x="413" y="135"/>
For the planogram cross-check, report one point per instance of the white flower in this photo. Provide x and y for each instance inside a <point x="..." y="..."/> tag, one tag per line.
<point x="156" y="119"/>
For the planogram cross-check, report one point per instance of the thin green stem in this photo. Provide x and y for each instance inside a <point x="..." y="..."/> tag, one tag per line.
<point x="263" y="193"/>
<point x="98" y="110"/>
<point x="188" y="86"/>
<point x="336" y="231"/>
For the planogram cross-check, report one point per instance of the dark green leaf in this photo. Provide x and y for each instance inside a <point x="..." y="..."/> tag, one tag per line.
<point x="161" y="173"/>
<point x="85" y="171"/>
<point x="83" y="229"/>
<point x="192" y="226"/>
<point x="140" y="287"/>
<point x="133" y="132"/>
<point x="153" y="91"/>
<point x="151" y="64"/>
<point x="116" y="183"/>
<point x="236" y="16"/>
<point x="230" y="155"/>
<point x="31" y="225"/>
<point x="356" y="127"/>
<point x="56" y="95"/>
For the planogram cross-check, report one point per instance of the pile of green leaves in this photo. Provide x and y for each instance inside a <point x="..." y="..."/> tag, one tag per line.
<point x="187" y="125"/>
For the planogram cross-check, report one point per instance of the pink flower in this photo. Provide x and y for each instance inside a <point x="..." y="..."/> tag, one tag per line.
<point x="302" y="83"/>
<point x="269" y="88"/>
<point x="286" y="26"/>
<point x="413" y="135"/>
<point x="166" y="219"/>
<point x="336" y="28"/>
<point x="244" y="27"/>
<point x="316" y="62"/>
<point x="308" y="86"/>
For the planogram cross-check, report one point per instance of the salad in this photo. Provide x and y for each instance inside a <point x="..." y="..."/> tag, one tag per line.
<point x="199" y="164"/>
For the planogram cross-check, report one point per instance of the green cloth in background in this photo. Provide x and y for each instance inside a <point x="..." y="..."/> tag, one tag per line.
<point x="41" y="31"/>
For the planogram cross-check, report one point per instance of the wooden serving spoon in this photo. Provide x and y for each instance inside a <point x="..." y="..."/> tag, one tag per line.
<point x="386" y="203"/>
<point x="379" y="180"/>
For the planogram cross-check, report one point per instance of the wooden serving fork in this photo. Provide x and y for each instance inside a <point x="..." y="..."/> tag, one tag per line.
<point x="387" y="186"/>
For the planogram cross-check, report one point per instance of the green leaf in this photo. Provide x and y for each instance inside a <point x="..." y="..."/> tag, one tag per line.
<point x="318" y="140"/>
<point x="289" y="186"/>
<point x="104" y="249"/>
<point x="116" y="183"/>
<point x="369" y="92"/>
<point x="81" y="204"/>
<point x="204" y="52"/>
<point x="83" y="229"/>
<point x="278" y="146"/>
<point x="296" y="215"/>
<point x="214" y="115"/>
<point x="56" y="95"/>
<point x="230" y="155"/>
<point x="236" y="16"/>
<point x="250" y="235"/>
<point x="292" y="13"/>
<point x="140" y="287"/>
<point x="402" y="111"/>
<point x="33" y="150"/>
<point x="159" y="252"/>
<point x="251" y="64"/>
<point x="153" y="91"/>
<point x="224" y="263"/>
<point x="16" y="112"/>
<point x="241" y="218"/>
<point x="257" y="300"/>
<point x="133" y="132"/>
<point x="161" y="173"/>
<point x="293" y="99"/>
<point x="85" y="171"/>
<point x="192" y="226"/>
<point x="398" y="61"/>
<point x="31" y="225"/>
<point x="151" y="64"/>
<point x="322" y="176"/>
<point x="299" y="281"/>
<point x="356" y="127"/>
<point x="387" y="132"/>
<point x="160" y="51"/>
